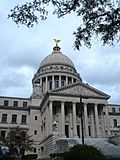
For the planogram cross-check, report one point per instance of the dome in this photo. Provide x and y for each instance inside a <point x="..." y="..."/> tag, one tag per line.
<point x="56" y="58"/>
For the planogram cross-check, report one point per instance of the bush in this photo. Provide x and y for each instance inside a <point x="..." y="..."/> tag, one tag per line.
<point x="29" y="157"/>
<point x="83" y="152"/>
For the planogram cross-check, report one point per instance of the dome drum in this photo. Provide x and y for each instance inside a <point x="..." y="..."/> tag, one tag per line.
<point x="55" y="71"/>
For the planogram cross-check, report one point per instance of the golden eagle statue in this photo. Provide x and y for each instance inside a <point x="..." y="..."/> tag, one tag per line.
<point x="56" y="41"/>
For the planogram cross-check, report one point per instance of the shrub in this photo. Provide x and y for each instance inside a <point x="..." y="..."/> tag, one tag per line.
<point x="29" y="157"/>
<point x="83" y="152"/>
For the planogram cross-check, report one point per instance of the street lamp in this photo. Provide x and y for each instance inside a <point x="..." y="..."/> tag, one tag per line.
<point x="81" y="116"/>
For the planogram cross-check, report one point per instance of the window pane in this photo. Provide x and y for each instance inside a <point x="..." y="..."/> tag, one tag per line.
<point x="15" y="104"/>
<point x="115" y="122"/>
<point x="14" y="118"/>
<point x="23" y="120"/>
<point x="3" y="133"/>
<point x="4" y="118"/>
<point x="113" y="110"/>
<point x="6" y="103"/>
<point x="24" y="104"/>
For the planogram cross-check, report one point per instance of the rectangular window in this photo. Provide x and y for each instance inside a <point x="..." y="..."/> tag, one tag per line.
<point x="89" y="130"/>
<point x="14" y="118"/>
<point x="56" y="83"/>
<point x="24" y="118"/>
<point x="62" y="83"/>
<point x="119" y="110"/>
<point x="50" y="85"/>
<point x="78" y="131"/>
<point x="4" y="118"/>
<point x="35" y="132"/>
<point x="3" y="133"/>
<point x="15" y="104"/>
<point x="54" y="110"/>
<point x="67" y="131"/>
<point x="115" y="122"/>
<point x="35" y="117"/>
<point x="113" y="110"/>
<point x="35" y="150"/>
<point x="6" y="102"/>
<point x="24" y="104"/>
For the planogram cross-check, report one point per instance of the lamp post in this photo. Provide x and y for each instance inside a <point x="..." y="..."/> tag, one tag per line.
<point x="81" y="116"/>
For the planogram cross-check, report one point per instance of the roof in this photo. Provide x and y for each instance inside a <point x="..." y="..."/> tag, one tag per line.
<point x="56" y="58"/>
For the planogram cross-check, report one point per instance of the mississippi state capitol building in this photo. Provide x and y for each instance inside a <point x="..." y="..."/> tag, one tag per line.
<point x="53" y="111"/>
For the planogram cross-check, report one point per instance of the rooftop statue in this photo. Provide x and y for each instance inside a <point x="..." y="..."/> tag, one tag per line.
<point x="56" y="41"/>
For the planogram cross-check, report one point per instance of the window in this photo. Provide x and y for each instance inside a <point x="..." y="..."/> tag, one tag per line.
<point x="34" y="150"/>
<point x="54" y="110"/>
<point x="56" y="83"/>
<point x="25" y="104"/>
<point x="15" y="104"/>
<point x="35" y="132"/>
<point x="14" y="118"/>
<point x="35" y="117"/>
<point x="24" y="118"/>
<point x="113" y="110"/>
<point x="89" y="130"/>
<point x="6" y="102"/>
<point x="115" y="122"/>
<point x="119" y="110"/>
<point x="4" y="118"/>
<point x="50" y="85"/>
<point x="3" y="133"/>
<point x="78" y="131"/>
<point x="67" y="131"/>
<point x="62" y="83"/>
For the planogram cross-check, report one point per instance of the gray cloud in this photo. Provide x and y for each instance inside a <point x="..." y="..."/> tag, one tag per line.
<point x="22" y="49"/>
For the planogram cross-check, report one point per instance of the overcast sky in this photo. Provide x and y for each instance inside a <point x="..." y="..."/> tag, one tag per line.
<point x="22" y="50"/>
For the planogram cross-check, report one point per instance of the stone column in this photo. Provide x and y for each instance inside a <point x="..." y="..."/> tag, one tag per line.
<point x="50" y="116"/>
<point x="62" y="119"/>
<point x="74" y="121"/>
<point x="107" y="120"/>
<point x="86" y="120"/>
<point x="97" y="120"/>
<point x="92" y="123"/>
<point x="59" y="81"/>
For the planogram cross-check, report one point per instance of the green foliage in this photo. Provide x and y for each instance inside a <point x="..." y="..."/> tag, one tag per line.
<point x="30" y="157"/>
<point x="19" y="138"/>
<point x="98" y="18"/>
<point x="83" y="152"/>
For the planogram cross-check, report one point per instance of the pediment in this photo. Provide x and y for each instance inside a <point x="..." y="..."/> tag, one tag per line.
<point x="80" y="88"/>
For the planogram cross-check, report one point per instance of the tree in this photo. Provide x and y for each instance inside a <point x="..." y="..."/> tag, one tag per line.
<point x="19" y="139"/>
<point x="98" y="18"/>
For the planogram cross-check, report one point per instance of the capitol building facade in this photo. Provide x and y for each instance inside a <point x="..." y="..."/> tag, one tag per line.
<point x="54" y="109"/>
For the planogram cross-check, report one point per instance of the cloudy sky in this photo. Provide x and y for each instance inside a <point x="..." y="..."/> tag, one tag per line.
<point x="22" y="49"/>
